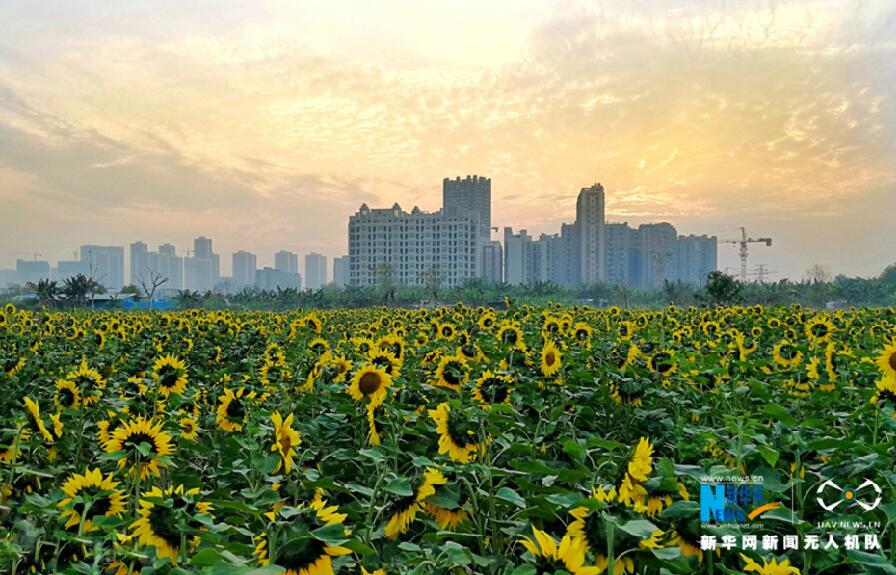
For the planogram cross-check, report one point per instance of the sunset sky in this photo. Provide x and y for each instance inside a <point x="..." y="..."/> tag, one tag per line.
<point x="264" y="125"/>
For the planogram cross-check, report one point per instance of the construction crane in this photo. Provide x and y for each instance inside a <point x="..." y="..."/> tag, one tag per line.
<point x="35" y="254"/>
<point x="742" y="242"/>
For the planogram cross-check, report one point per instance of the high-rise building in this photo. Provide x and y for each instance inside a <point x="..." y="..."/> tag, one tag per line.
<point x="517" y="257"/>
<point x="697" y="257"/>
<point x="139" y="262"/>
<point x="493" y="262"/>
<point x="618" y="248"/>
<point x="658" y="248"/>
<point x="590" y="207"/>
<point x="410" y="246"/>
<point x="270" y="279"/>
<point x="470" y="196"/>
<point x="105" y="265"/>
<point x="244" y="266"/>
<point x="315" y="271"/>
<point x="340" y="270"/>
<point x="70" y="268"/>
<point x="170" y="265"/>
<point x="286" y="261"/>
<point x="32" y="271"/>
<point x="202" y="271"/>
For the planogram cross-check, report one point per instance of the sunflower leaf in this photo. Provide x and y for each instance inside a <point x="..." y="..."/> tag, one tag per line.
<point x="511" y="496"/>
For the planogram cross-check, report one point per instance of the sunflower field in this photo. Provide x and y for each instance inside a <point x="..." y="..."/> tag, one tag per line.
<point x="514" y="441"/>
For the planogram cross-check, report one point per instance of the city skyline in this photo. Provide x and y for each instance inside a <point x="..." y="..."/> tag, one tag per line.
<point x="257" y="123"/>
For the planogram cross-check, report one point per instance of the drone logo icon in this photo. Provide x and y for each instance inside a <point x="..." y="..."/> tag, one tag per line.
<point x="829" y="490"/>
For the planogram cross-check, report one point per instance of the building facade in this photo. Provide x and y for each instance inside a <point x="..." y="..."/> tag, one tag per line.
<point x="340" y="270"/>
<point x="590" y="222"/>
<point x="105" y="265"/>
<point x="409" y="246"/>
<point x="315" y="271"/>
<point x="286" y="261"/>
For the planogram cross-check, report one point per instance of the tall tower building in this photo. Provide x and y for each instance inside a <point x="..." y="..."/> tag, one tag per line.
<point x="203" y="270"/>
<point x="244" y="266"/>
<point x="315" y="271"/>
<point x="106" y="264"/>
<point x="340" y="270"/>
<point x="139" y="261"/>
<point x="471" y="197"/>
<point x="285" y="261"/>
<point x="591" y="234"/>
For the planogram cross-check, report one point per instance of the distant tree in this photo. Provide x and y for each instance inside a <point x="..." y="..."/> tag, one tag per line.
<point x="720" y="290"/>
<point x="130" y="289"/>
<point x="386" y="282"/>
<point x="888" y="276"/>
<point x="150" y="282"/>
<point x="818" y="273"/>
<point x="45" y="290"/>
<point x="678" y="293"/>
<point x="187" y="299"/>
<point x="77" y="288"/>
<point x="432" y="278"/>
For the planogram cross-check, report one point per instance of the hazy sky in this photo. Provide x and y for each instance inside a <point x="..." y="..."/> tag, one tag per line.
<point x="264" y="125"/>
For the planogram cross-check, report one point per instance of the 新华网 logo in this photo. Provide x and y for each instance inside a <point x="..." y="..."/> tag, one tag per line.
<point x="733" y="502"/>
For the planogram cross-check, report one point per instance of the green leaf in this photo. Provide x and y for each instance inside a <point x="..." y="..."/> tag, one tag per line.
<point x="331" y="535"/>
<point x="775" y="411"/>
<point x="770" y="455"/>
<point x="401" y="487"/>
<point x="640" y="528"/>
<point x="511" y="496"/>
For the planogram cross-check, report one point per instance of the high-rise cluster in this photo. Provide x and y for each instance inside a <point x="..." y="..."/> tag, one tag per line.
<point x="454" y="244"/>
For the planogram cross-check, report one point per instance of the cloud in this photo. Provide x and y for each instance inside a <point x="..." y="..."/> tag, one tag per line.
<point x="261" y="129"/>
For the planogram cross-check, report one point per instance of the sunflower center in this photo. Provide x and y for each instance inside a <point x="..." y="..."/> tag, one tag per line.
<point x="236" y="409"/>
<point x="494" y="390"/>
<point x="452" y="373"/>
<point x="510" y="336"/>
<point x="67" y="397"/>
<point x="550" y="358"/>
<point x="460" y="433"/>
<point x="168" y="377"/>
<point x="162" y="522"/>
<point x="135" y="439"/>
<point x="581" y="334"/>
<point x="100" y="506"/>
<point x="370" y="383"/>
<point x="892" y="361"/>
<point x="300" y="554"/>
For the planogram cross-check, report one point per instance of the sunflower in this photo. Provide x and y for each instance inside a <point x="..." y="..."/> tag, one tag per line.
<point x="662" y="362"/>
<point x="551" y="359"/>
<point x="582" y="333"/>
<point x="819" y="329"/>
<point x="68" y="396"/>
<point x="163" y="517"/>
<point x="452" y="372"/>
<point x="886" y="361"/>
<point x="493" y="389"/>
<point x="93" y="489"/>
<point x="89" y="381"/>
<point x="285" y="441"/>
<point x="786" y="354"/>
<point x="403" y="512"/>
<point x="773" y="568"/>
<point x="568" y="556"/>
<point x="170" y="374"/>
<point x="12" y="364"/>
<point x="510" y="334"/>
<point x="455" y="437"/>
<point x="232" y="410"/>
<point x="129" y="439"/>
<point x="446" y="331"/>
<point x="298" y="551"/>
<point x="37" y="421"/>
<point x="189" y="428"/>
<point x="374" y="427"/>
<point x="886" y="392"/>
<point x="370" y="382"/>
<point x="385" y="360"/>
<point x="447" y="518"/>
